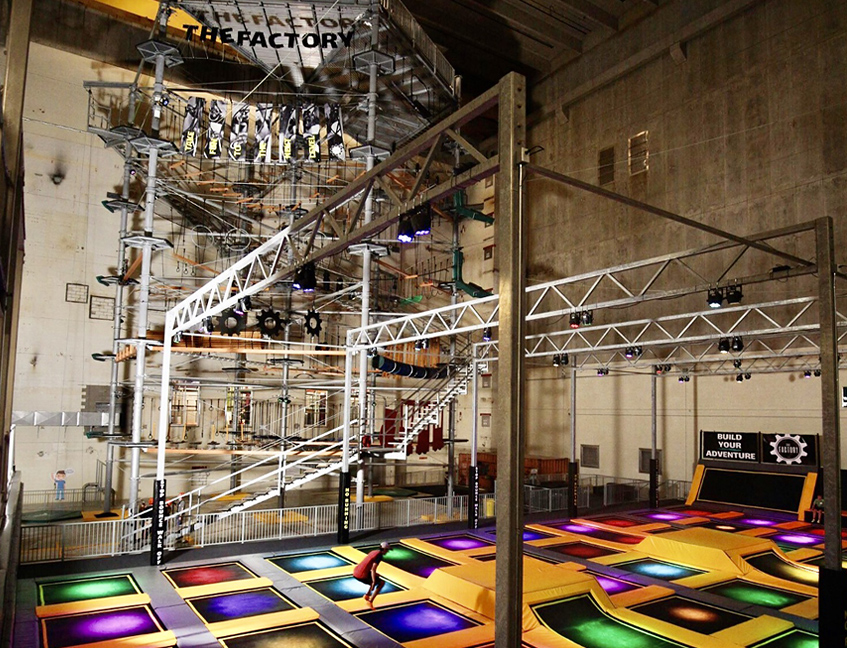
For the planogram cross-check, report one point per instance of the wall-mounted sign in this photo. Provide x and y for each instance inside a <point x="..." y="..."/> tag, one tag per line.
<point x="729" y="446"/>
<point x="790" y="449"/>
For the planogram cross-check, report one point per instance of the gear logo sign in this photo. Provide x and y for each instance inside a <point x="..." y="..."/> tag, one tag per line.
<point x="788" y="448"/>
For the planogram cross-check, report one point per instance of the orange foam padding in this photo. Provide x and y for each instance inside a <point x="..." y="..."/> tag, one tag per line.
<point x="164" y="639"/>
<point x="223" y="588"/>
<point x="703" y="548"/>
<point x="438" y="552"/>
<point x="319" y="574"/>
<point x="476" y="636"/>
<point x="807" y="495"/>
<point x="696" y="483"/>
<point x="728" y="515"/>
<point x="807" y="609"/>
<point x="641" y="595"/>
<point x="76" y="607"/>
<point x="261" y="621"/>
<point x="753" y="630"/>
<point x="472" y="586"/>
<point x="542" y="637"/>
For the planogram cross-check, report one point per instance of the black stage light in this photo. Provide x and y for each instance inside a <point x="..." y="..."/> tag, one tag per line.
<point x="737" y="363"/>
<point x="723" y="345"/>
<point x="557" y="360"/>
<point x="817" y="373"/>
<point x="574" y="320"/>
<point x="739" y="378"/>
<point x="737" y="344"/>
<point x="405" y="230"/>
<point x="486" y="334"/>
<point x="807" y="373"/>
<point x="734" y="294"/>
<point x="714" y="298"/>
<point x="587" y="318"/>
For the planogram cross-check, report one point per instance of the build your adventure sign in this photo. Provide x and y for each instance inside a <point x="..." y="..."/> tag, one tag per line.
<point x="729" y="446"/>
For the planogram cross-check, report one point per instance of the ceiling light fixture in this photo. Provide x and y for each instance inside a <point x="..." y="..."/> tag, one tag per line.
<point x="486" y="334"/>
<point x="714" y="298"/>
<point x="587" y="318"/>
<point x="304" y="278"/>
<point x="723" y="345"/>
<point x="734" y="294"/>
<point x="574" y="320"/>
<point x="405" y="230"/>
<point x="737" y="344"/>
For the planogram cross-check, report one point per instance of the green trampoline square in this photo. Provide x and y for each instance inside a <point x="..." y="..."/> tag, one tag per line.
<point x="86" y="589"/>
<point x="739" y="590"/>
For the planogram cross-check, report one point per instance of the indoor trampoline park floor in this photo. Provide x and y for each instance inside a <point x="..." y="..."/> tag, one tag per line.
<point x="672" y="577"/>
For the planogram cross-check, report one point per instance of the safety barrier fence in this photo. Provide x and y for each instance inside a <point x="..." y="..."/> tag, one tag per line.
<point x="74" y="540"/>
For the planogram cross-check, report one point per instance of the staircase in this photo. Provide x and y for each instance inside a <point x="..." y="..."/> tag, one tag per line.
<point x="304" y="461"/>
<point x="434" y="401"/>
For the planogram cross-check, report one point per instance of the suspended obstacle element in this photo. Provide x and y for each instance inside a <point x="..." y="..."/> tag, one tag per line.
<point x="410" y="371"/>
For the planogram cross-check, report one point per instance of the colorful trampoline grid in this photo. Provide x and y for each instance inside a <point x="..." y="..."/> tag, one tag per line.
<point x="410" y="560"/>
<point x="616" y="521"/>
<point x="599" y="534"/>
<point x="86" y="589"/>
<point x="528" y="534"/>
<point x="658" y="569"/>
<point x="613" y="585"/>
<point x="773" y="564"/>
<point x="581" y="620"/>
<point x="791" y="639"/>
<point x="225" y="607"/>
<point x="459" y="542"/>
<point x="344" y="588"/>
<point x="581" y="550"/>
<point x="753" y="594"/>
<point x="702" y="618"/>
<point x="207" y="574"/>
<point x="309" y="561"/>
<point x="304" y="635"/>
<point x="416" y="620"/>
<point x="100" y="626"/>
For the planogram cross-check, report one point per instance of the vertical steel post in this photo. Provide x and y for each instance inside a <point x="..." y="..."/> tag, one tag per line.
<point x="473" y="476"/>
<point x="367" y="216"/>
<point x="157" y="543"/>
<point x="144" y="291"/>
<point x="344" y="476"/>
<point x="832" y="585"/>
<point x="654" y="464"/>
<point x="573" y="466"/>
<point x="511" y="402"/>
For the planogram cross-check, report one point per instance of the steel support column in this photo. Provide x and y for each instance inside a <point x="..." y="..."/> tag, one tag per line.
<point x="654" y="464"/>
<point x="510" y="408"/>
<point x="344" y="477"/>
<point x="473" y="476"/>
<point x="833" y="589"/>
<point x="573" y="466"/>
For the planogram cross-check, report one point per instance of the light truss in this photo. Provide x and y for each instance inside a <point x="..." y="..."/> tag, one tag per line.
<point x="628" y="284"/>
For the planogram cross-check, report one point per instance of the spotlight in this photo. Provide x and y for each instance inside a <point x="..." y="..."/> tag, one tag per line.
<point x="739" y="378"/>
<point x="684" y="378"/>
<point x="747" y="376"/>
<point x="557" y="360"/>
<point x="574" y="320"/>
<point x="304" y="278"/>
<point x="208" y="325"/>
<point x="737" y="363"/>
<point x="419" y="345"/>
<point x="737" y="344"/>
<point x="715" y="298"/>
<point x="486" y="334"/>
<point x="602" y="371"/>
<point x="723" y="345"/>
<point x="587" y="318"/>
<point x="734" y="294"/>
<point x="807" y="373"/>
<point x="817" y="373"/>
<point x="629" y="354"/>
<point x="421" y="220"/>
<point x="405" y="230"/>
<point x="565" y="359"/>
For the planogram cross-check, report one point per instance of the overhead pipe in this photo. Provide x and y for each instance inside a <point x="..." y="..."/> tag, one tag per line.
<point x="409" y="371"/>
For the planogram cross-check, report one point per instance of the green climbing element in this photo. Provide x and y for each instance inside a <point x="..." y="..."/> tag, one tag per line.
<point x="463" y="211"/>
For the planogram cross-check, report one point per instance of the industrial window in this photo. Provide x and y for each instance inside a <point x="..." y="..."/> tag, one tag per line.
<point x="638" y="153"/>
<point x="485" y="420"/>
<point x="101" y="308"/>
<point x="315" y="407"/>
<point x="487" y="252"/>
<point x="606" y="165"/>
<point x="76" y="293"/>
<point x="486" y="381"/>
<point x="644" y="460"/>
<point x="589" y="456"/>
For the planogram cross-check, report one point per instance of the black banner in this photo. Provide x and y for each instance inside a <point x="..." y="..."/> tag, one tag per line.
<point x="729" y="446"/>
<point x="790" y="449"/>
<point x="238" y="132"/>
<point x="215" y="133"/>
<point x="344" y="507"/>
<point x="192" y="125"/>
<point x="312" y="131"/>
<point x="334" y="132"/>
<point x="157" y="545"/>
<point x="473" y="505"/>
<point x="264" y="116"/>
